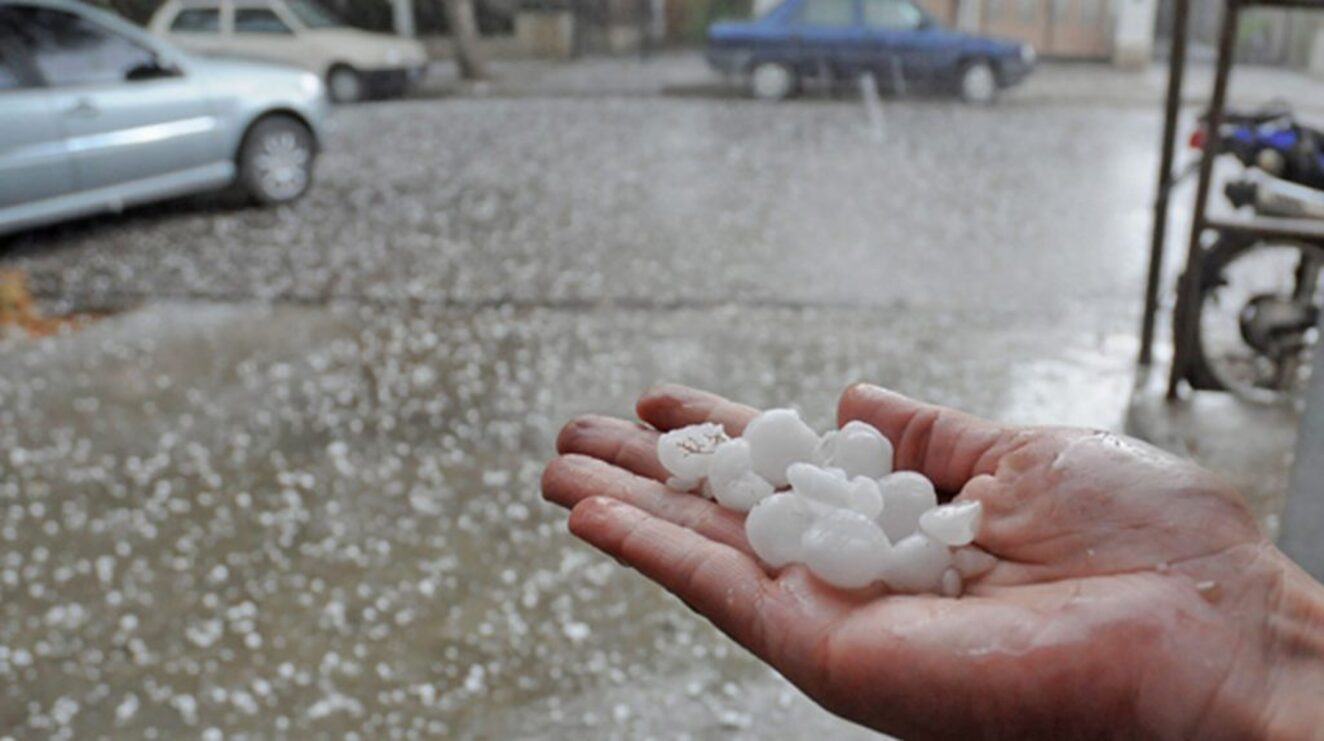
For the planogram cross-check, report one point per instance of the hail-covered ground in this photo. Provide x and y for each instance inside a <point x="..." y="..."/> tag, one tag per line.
<point x="292" y="487"/>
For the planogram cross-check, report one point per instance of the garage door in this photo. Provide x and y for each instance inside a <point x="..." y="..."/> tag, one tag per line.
<point x="1080" y="28"/>
<point x="1061" y="28"/>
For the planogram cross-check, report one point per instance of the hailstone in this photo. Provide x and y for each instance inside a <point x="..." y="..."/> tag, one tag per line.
<point x="952" y="524"/>
<point x="858" y="448"/>
<point x="917" y="564"/>
<point x="846" y="549"/>
<point x="825" y="485"/>
<point x="743" y="493"/>
<point x="865" y="497"/>
<point x="731" y="477"/>
<point x="776" y="526"/>
<point x="730" y="461"/>
<point x="687" y="452"/>
<point x="906" y="496"/>
<point x="777" y="438"/>
<point x="847" y="516"/>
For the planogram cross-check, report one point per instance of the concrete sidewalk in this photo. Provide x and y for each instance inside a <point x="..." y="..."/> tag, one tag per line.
<point x="1210" y="428"/>
<point x="684" y="73"/>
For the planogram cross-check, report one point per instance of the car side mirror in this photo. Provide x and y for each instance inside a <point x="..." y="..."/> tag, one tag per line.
<point x="153" y="69"/>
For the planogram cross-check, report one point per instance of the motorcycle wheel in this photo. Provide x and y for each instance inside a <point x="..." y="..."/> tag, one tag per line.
<point x="1255" y="320"/>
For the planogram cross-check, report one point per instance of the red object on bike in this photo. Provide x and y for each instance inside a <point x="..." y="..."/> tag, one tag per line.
<point x="1197" y="138"/>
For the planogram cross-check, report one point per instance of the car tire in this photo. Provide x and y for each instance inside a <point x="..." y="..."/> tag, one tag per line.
<point x="978" y="82"/>
<point x="276" y="160"/>
<point x="772" y="81"/>
<point x="344" y="84"/>
<point x="1204" y="372"/>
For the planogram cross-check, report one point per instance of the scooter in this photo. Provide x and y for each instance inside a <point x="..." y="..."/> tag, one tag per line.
<point x="1262" y="351"/>
<point x="1271" y="140"/>
<point x="1267" y="195"/>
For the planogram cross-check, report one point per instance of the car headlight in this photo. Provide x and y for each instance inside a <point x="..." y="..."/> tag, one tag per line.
<point x="311" y="84"/>
<point x="1027" y="54"/>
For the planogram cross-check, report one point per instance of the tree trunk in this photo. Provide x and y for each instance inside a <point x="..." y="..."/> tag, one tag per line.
<point x="464" y="33"/>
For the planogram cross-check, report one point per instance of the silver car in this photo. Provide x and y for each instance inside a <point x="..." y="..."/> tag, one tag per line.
<point x="97" y="115"/>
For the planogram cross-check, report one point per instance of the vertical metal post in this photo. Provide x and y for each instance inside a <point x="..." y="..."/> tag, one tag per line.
<point x="1188" y="289"/>
<point x="1302" y="537"/>
<point x="1176" y="71"/>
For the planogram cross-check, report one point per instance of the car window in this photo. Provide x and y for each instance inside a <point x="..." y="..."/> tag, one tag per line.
<point x="197" y="20"/>
<point x="68" y="49"/>
<point x="827" y="12"/>
<point x="258" y="20"/>
<point x="892" y="14"/>
<point x="10" y="77"/>
<point x="314" y="15"/>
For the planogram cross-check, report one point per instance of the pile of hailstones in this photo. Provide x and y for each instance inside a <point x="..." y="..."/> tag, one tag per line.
<point x="832" y="503"/>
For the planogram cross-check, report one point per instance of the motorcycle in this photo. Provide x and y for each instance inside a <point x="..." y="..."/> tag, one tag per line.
<point x="1260" y="301"/>
<point x="1270" y="140"/>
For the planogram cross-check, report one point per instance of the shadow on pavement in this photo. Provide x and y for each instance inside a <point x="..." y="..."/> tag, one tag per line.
<point x="50" y="237"/>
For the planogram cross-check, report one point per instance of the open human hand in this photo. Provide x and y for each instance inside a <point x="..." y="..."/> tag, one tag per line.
<point x="1132" y="595"/>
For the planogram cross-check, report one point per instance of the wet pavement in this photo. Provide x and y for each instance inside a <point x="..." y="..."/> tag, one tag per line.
<point x="293" y="489"/>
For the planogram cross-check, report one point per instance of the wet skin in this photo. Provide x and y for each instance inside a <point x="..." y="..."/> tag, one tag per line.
<point x="1133" y="594"/>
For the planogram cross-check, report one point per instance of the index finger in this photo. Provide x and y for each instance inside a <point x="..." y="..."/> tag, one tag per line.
<point x="948" y="446"/>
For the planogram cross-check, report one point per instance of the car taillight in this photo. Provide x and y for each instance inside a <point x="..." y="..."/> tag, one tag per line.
<point x="1197" y="138"/>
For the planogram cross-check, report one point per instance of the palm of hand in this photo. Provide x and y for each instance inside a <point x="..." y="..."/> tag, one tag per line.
<point x="1103" y="545"/>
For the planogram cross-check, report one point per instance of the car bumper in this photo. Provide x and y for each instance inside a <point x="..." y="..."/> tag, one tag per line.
<point x="728" y="61"/>
<point x="1013" y="71"/>
<point x="393" y="81"/>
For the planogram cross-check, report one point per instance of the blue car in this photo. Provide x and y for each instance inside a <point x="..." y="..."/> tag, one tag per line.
<point x="902" y="46"/>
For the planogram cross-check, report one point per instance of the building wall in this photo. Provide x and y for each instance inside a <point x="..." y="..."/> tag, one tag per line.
<point x="1073" y="29"/>
<point x="1266" y="35"/>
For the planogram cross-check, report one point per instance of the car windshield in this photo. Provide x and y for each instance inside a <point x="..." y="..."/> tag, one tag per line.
<point x="314" y="15"/>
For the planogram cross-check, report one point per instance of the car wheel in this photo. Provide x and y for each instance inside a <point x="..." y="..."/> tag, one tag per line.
<point x="771" y="81"/>
<point x="344" y="84"/>
<point x="978" y="83"/>
<point x="276" y="160"/>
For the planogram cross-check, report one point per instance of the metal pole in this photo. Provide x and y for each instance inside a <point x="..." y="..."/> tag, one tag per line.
<point x="1302" y="538"/>
<point x="1188" y="289"/>
<point x="1176" y="71"/>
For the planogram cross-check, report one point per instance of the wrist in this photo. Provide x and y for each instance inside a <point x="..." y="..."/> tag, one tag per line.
<point x="1295" y="656"/>
<point x="1256" y="657"/>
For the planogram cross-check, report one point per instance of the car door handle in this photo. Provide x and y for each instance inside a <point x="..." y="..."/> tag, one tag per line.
<point x="84" y="108"/>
